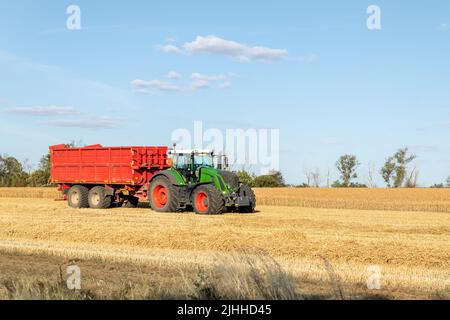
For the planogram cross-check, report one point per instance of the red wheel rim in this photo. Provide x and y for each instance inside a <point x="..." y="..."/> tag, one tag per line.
<point x="160" y="196"/>
<point x="201" y="202"/>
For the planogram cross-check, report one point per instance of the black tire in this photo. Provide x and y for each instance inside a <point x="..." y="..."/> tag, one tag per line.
<point x="78" y="197"/>
<point x="213" y="203"/>
<point x="131" y="202"/>
<point x="245" y="190"/>
<point x="158" y="202"/>
<point x="98" y="199"/>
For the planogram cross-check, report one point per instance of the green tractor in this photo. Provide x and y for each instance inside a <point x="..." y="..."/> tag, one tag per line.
<point x="200" y="181"/>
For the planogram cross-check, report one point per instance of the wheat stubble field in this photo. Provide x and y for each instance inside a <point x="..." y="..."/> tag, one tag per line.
<point x="323" y="241"/>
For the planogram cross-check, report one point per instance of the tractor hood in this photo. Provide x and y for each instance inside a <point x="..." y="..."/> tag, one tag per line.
<point x="230" y="178"/>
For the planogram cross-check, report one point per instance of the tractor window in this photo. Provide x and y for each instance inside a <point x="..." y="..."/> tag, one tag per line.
<point x="181" y="161"/>
<point x="205" y="160"/>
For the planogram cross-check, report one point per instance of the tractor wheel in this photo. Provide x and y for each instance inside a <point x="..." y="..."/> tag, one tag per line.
<point x="245" y="190"/>
<point x="208" y="200"/>
<point x="98" y="199"/>
<point x="163" y="196"/>
<point x="131" y="202"/>
<point x="78" y="197"/>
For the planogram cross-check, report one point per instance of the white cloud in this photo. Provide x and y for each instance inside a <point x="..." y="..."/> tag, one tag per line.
<point x="173" y="75"/>
<point x="238" y="51"/>
<point x="42" y="111"/>
<point x="200" y="81"/>
<point x="142" y="86"/>
<point x="197" y="81"/>
<point x="199" y="76"/>
<point x="87" y="123"/>
<point x="199" y="84"/>
<point x="170" y="48"/>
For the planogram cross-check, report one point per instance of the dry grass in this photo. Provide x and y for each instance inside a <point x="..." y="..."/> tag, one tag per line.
<point x="248" y="275"/>
<point x="419" y="199"/>
<point x="38" y="193"/>
<point x="411" y="248"/>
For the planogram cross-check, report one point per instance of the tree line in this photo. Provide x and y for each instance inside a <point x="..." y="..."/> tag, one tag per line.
<point x="395" y="172"/>
<point x="13" y="173"/>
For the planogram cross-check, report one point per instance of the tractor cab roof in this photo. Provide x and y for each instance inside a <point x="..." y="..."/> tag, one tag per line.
<point x="192" y="151"/>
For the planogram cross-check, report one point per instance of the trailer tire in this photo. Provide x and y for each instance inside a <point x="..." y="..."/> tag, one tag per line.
<point x="98" y="199"/>
<point x="78" y="197"/>
<point x="245" y="190"/>
<point x="163" y="195"/>
<point x="206" y="199"/>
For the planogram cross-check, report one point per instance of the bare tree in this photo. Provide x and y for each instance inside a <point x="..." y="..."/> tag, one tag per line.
<point x="328" y="177"/>
<point x="411" y="181"/>
<point x="312" y="178"/>
<point x="308" y="176"/>
<point x="27" y="165"/>
<point x="315" y="178"/>
<point x="370" y="177"/>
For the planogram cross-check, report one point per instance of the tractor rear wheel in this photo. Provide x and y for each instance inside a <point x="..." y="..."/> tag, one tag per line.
<point x="77" y="197"/>
<point x="98" y="199"/>
<point x="163" y="196"/>
<point x="207" y="199"/>
<point x="246" y="191"/>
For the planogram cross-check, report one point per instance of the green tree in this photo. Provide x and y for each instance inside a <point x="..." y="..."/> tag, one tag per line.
<point x="12" y="173"/>
<point x="447" y="182"/>
<point x="273" y="179"/>
<point x="339" y="184"/>
<point x="388" y="170"/>
<point x="246" y="177"/>
<point x="437" y="186"/>
<point x="395" y="168"/>
<point x="347" y="165"/>
<point x="41" y="176"/>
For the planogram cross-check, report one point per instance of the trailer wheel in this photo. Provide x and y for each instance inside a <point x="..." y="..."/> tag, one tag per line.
<point x="98" y="199"/>
<point x="163" y="196"/>
<point x="208" y="200"/>
<point x="246" y="191"/>
<point x="78" y="197"/>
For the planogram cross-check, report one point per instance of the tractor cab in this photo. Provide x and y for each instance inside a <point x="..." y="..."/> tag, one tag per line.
<point x="190" y="162"/>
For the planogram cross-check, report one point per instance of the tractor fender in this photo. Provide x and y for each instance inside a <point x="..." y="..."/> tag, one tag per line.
<point x="167" y="175"/>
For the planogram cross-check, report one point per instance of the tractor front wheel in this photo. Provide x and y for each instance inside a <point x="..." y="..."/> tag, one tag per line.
<point x="207" y="200"/>
<point x="163" y="196"/>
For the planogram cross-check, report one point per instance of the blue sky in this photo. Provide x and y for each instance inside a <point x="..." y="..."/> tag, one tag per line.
<point x="319" y="75"/>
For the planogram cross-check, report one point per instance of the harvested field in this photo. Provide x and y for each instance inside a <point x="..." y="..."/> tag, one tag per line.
<point x="410" y="248"/>
<point x="419" y="199"/>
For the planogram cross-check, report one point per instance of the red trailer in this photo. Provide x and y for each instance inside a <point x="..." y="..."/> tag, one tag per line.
<point x="96" y="176"/>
